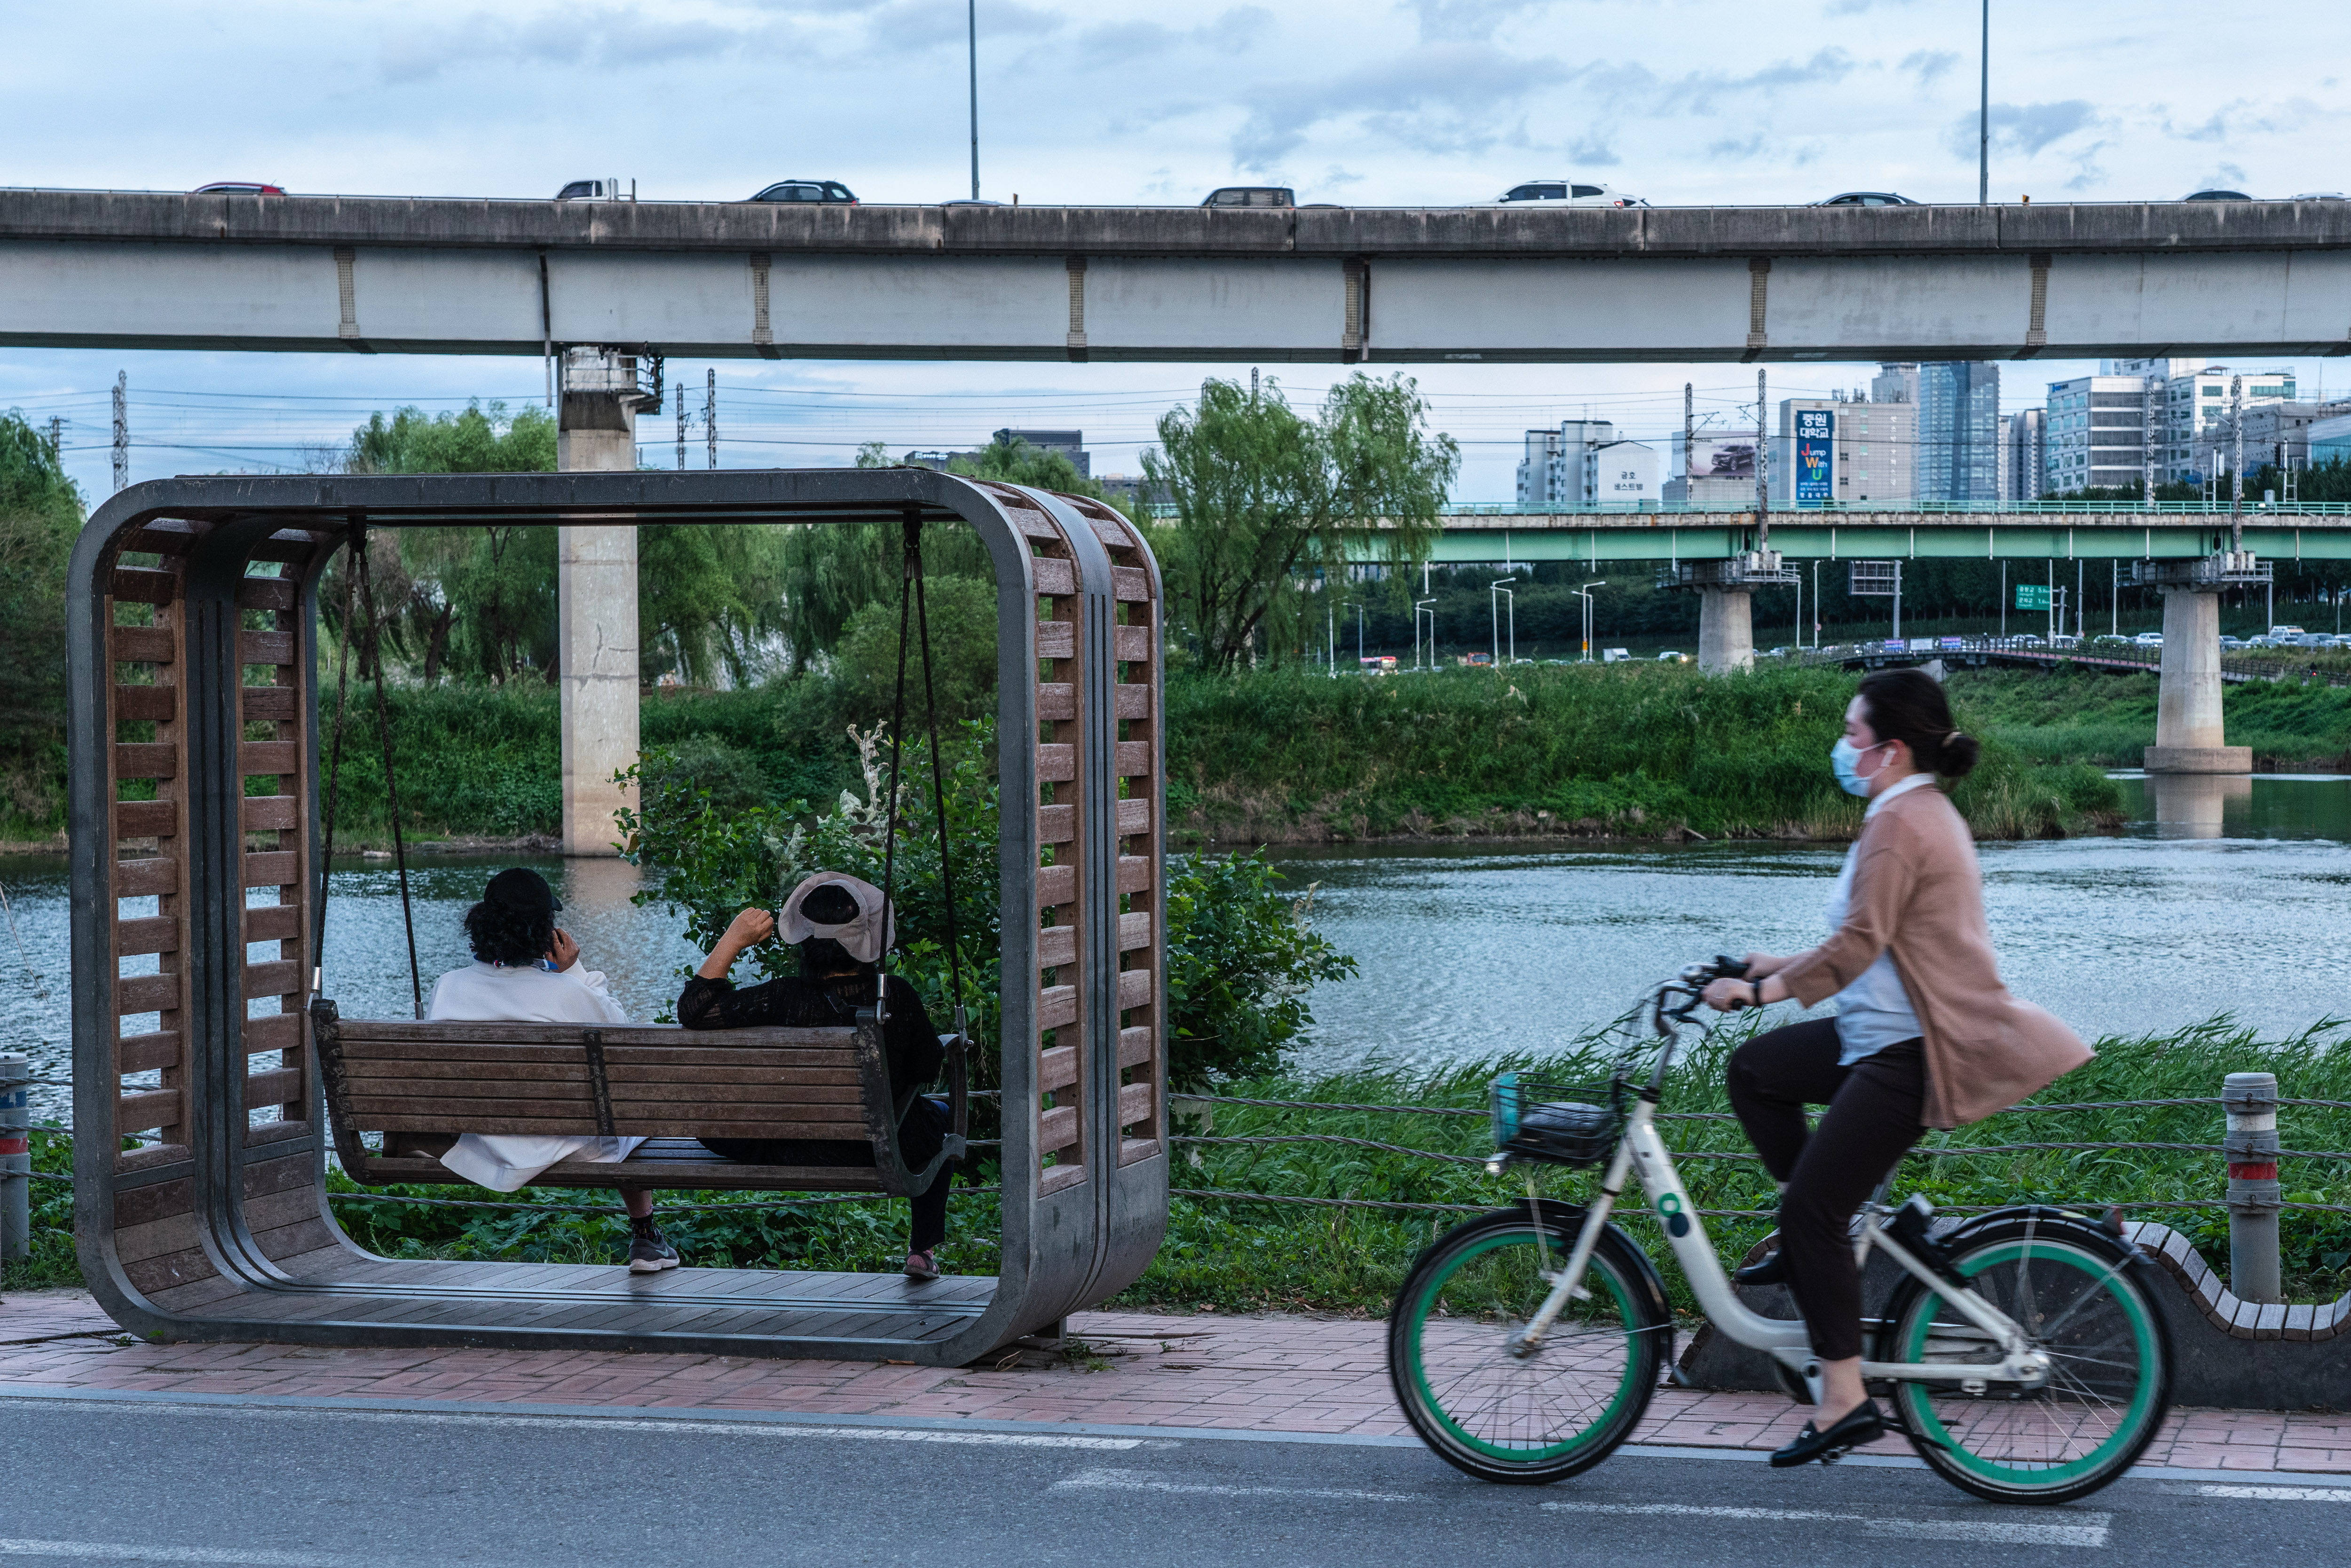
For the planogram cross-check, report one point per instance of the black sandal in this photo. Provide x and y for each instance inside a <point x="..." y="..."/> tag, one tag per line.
<point x="1865" y="1424"/>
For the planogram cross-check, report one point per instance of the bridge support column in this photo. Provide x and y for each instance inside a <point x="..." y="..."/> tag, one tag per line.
<point x="2187" y="733"/>
<point x="596" y="602"/>
<point x="1726" y="629"/>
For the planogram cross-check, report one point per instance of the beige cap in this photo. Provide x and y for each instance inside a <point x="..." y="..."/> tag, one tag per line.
<point x="864" y="936"/>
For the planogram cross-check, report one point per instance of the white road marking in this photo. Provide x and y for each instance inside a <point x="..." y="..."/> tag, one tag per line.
<point x="2279" y="1494"/>
<point x="1143" y="1480"/>
<point x="1905" y="1525"/>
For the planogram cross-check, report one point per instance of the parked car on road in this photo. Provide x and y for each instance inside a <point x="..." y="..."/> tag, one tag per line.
<point x="1868" y="199"/>
<point x="1251" y="196"/>
<point x="831" y="192"/>
<point x="1565" y="193"/>
<point x="239" y="188"/>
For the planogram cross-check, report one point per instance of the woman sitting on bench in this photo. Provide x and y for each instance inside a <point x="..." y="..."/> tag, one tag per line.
<point x="524" y="970"/>
<point x="842" y="928"/>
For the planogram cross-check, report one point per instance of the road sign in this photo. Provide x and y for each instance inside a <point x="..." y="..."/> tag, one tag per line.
<point x="1873" y="576"/>
<point x="1816" y="448"/>
<point x="2032" y="596"/>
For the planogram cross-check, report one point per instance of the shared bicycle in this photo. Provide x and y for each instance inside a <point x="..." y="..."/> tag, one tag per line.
<point x="2021" y="1351"/>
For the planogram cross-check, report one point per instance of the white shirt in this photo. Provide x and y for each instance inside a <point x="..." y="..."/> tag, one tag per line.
<point x="1875" y="1012"/>
<point x="490" y="993"/>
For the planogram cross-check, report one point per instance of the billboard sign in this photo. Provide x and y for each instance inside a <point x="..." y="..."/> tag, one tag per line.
<point x="1722" y="457"/>
<point x="1816" y="448"/>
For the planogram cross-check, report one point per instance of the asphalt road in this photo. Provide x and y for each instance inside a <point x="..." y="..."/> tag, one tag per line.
<point x="279" y="1487"/>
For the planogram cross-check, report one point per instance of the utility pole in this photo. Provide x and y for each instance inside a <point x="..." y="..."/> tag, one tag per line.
<point x="1816" y="609"/>
<point x="57" y="438"/>
<point x="2079" y="567"/>
<point x="1983" y="119"/>
<point x="1356" y="605"/>
<point x="121" y="429"/>
<point x="1762" y="469"/>
<point x="1689" y="439"/>
<point x="710" y="412"/>
<point x="2004" y="598"/>
<point x="681" y="430"/>
<point x="971" y="25"/>
<point x="2237" y="466"/>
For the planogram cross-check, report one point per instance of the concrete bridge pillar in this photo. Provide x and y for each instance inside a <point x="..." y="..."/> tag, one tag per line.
<point x="2188" y="738"/>
<point x="1726" y="629"/>
<point x="596" y="601"/>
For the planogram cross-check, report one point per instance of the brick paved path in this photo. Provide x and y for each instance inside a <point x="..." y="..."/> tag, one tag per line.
<point x="1254" y="1374"/>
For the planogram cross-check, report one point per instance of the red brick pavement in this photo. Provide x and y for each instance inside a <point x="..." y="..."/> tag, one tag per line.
<point x="1252" y="1374"/>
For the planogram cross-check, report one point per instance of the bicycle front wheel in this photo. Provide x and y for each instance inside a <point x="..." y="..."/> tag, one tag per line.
<point x="2080" y="1299"/>
<point x="1557" y="1410"/>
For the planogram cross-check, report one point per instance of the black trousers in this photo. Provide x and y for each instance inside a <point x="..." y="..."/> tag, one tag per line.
<point x="922" y="1133"/>
<point x="1871" y="1118"/>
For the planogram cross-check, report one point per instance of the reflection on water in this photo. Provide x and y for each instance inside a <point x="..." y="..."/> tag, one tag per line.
<point x="2238" y="805"/>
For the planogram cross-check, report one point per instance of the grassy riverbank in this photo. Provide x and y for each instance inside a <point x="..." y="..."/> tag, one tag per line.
<point x="2084" y="715"/>
<point x="1236" y="1255"/>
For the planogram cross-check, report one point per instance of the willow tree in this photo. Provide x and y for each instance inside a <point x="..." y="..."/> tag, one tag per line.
<point x="1271" y="505"/>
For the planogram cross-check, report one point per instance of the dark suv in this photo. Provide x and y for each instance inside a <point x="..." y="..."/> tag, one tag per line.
<point x="827" y="191"/>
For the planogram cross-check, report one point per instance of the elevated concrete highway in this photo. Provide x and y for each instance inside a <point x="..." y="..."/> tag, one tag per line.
<point x="1342" y="285"/>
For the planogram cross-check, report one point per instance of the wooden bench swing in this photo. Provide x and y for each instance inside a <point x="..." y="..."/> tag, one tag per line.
<point x="213" y="1081"/>
<point x="668" y="1085"/>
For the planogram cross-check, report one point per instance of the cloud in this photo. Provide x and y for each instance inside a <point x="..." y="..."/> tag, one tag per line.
<point x="1440" y="99"/>
<point x="1468" y="21"/>
<point x="1125" y="44"/>
<point x="1856" y="8"/>
<point x="2232" y="120"/>
<point x="1593" y="152"/>
<point x="610" y="39"/>
<point x="1930" y="64"/>
<point x="1738" y="148"/>
<point x="2024" y="128"/>
<point x="1633" y="84"/>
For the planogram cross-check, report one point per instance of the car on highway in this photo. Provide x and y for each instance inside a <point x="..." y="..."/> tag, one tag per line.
<point x="1615" y="656"/>
<point x="2226" y="642"/>
<point x="240" y="188"/>
<point x="591" y="191"/>
<point x="1251" y="197"/>
<point x="2282" y="633"/>
<point x="828" y="193"/>
<point x="1672" y="657"/>
<point x="1565" y="193"/>
<point x="2148" y="640"/>
<point x="2216" y="194"/>
<point x="2319" y="196"/>
<point x="1869" y="199"/>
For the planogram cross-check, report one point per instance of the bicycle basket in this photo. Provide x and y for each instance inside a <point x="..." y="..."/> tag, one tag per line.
<point x="1552" y="1123"/>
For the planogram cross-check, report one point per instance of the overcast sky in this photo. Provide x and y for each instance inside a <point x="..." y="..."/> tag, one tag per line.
<point x="1432" y="102"/>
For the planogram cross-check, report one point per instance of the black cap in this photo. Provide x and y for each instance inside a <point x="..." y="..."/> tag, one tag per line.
<point x="522" y="890"/>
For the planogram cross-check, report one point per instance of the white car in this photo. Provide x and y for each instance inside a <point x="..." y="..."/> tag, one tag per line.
<point x="1565" y="193"/>
<point x="2148" y="640"/>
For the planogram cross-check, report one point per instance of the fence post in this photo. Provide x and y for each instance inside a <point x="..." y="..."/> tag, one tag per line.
<point x="15" y="1154"/>
<point x="2251" y="1149"/>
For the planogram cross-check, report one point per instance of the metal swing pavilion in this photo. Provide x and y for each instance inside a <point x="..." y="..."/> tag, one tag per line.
<point x="214" y="1225"/>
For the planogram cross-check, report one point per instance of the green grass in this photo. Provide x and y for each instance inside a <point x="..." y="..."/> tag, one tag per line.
<point x="2087" y="716"/>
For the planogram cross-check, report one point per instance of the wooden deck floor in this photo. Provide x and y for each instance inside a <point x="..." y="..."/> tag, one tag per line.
<point x="425" y="1302"/>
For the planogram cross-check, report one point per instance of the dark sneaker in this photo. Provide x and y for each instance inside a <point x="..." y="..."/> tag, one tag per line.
<point x="649" y="1250"/>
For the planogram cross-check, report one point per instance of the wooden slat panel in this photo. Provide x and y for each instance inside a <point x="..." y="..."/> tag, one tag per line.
<point x="280" y="703"/>
<point x="158" y="703"/>
<point x="275" y="1087"/>
<point x="265" y="813"/>
<point x="269" y="757"/>
<point x="1135" y="1103"/>
<point x="1134" y="873"/>
<point x="692" y="1122"/>
<point x="1131" y="584"/>
<point x="264" y="647"/>
<point x="1131" y="644"/>
<point x="1135" y="1045"/>
<point x="1133" y="931"/>
<point x="1033" y="524"/>
<point x="1132" y="759"/>
<point x="1056" y="764"/>
<point x="1134" y="988"/>
<point x="1133" y="816"/>
<point x="141" y="879"/>
<point x="147" y="994"/>
<point x="1129" y="700"/>
<point x="266" y="593"/>
<point x="273" y="1031"/>
<point x="1054" y="1178"/>
<point x="145" y="1052"/>
<point x="1057" y="1068"/>
<point x="1054" y="576"/>
<point x="273" y="922"/>
<point x="154" y="933"/>
<point x="1056" y="1128"/>
<point x="816" y="1086"/>
<point x="803" y="1094"/>
<point x="384" y="1075"/>
<point x="717" y="1044"/>
<point x="1057" y="1006"/>
<point x="1057" y="945"/>
<point x="165" y="535"/>
<point x="278" y="977"/>
<point x="144" y="644"/>
<point x="1108" y="528"/>
<point x="1133" y="1149"/>
<point x="137" y="585"/>
<point x="147" y="1110"/>
<point x="272" y="868"/>
<point x="1057" y="824"/>
<point x="1056" y="885"/>
<point x="173" y="1268"/>
<point x="285" y="545"/>
<point x="146" y="819"/>
<point x="1056" y="639"/>
<point x="1057" y="700"/>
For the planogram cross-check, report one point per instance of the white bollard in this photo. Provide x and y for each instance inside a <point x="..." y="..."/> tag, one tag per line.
<point x="2251" y="1149"/>
<point x="15" y="1154"/>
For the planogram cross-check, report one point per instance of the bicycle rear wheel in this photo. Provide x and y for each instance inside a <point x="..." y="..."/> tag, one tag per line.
<point x="2076" y="1293"/>
<point x="1541" y="1416"/>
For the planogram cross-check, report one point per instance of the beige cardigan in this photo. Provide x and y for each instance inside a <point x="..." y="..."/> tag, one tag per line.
<point x="1917" y="890"/>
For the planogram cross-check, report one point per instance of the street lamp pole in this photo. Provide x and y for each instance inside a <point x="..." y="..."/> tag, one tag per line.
<point x="1983" y="118"/>
<point x="1499" y="588"/>
<point x="1356" y="605"/>
<point x="1584" y="593"/>
<point x="1418" y="607"/>
<point x="971" y="23"/>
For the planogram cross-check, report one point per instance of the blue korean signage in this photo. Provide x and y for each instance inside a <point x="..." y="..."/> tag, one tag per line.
<point x="1815" y="447"/>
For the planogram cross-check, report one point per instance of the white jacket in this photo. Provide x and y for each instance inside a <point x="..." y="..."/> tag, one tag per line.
<point x="491" y="993"/>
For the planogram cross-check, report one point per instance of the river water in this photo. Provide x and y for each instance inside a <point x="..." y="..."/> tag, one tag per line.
<point x="2223" y="895"/>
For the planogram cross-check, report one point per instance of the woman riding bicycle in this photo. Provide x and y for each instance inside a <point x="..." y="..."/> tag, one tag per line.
<point x="1925" y="1034"/>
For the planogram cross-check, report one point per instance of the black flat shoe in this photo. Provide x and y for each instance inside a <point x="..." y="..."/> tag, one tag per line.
<point x="1772" y="1270"/>
<point x="1865" y="1425"/>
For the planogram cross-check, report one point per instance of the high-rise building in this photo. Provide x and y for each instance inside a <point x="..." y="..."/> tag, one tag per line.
<point x="1959" y="431"/>
<point x="1877" y="447"/>
<point x="1552" y="474"/>
<point x="2096" y="434"/>
<point x="2193" y="418"/>
<point x="2023" y="454"/>
<point x="1895" y="383"/>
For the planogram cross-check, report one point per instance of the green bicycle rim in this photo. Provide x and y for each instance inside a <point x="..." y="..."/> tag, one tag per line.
<point x="1921" y="1408"/>
<point x="1428" y="1400"/>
